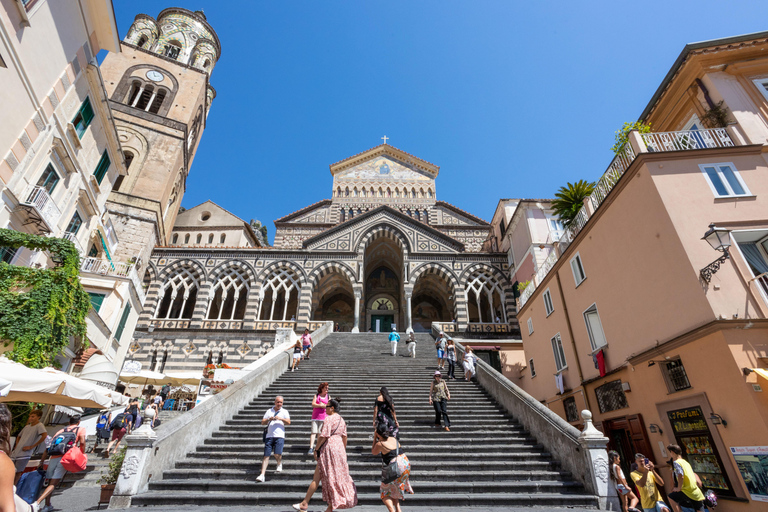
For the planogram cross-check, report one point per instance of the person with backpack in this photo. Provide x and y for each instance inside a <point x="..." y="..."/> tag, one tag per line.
<point x="102" y="428"/>
<point x="164" y="391"/>
<point x="63" y="441"/>
<point x="121" y="425"/>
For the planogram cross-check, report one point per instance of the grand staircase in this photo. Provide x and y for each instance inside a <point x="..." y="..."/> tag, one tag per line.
<point x="487" y="459"/>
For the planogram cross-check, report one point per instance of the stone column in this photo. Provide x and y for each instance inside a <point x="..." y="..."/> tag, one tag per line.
<point x="358" y="296"/>
<point x="305" y="308"/>
<point x="409" y="317"/>
<point x="593" y="444"/>
<point x="129" y="483"/>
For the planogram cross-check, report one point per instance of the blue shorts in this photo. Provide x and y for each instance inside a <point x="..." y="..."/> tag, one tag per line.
<point x="274" y="443"/>
<point x="440" y="353"/>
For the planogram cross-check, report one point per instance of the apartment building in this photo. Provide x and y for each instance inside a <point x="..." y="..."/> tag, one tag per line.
<point x="652" y="309"/>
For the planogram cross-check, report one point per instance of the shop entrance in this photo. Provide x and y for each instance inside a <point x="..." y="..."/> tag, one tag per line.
<point x="384" y="323"/>
<point x="627" y="436"/>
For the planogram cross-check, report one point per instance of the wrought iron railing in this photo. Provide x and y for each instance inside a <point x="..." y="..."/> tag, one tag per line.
<point x="73" y="238"/>
<point x="687" y="140"/>
<point x="40" y="200"/>
<point x="111" y="268"/>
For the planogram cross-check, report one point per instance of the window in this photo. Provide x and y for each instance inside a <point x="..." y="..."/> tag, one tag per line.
<point x="154" y="107"/>
<point x="530" y="326"/>
<point x="724" y="180"/>
<point x="186" y="239"/>
<point x="199" y="239"/>
<point x="172" y="50"/>
<point x="96" y="300"/>
<point x="102" y="167"/>
<point x="175" y="238"/>
<point x="548" y="302"/>
<point x="557" y="349"/>
<point x="7" y="254"/>
<point x="503" y="228"/>
<point x="128" y="159"/>
<point x="162" y="363"/>
<point x="610" y="396"/>
<point x="675" y="376"/>
<point x="123" y="320"/>
<point x="83" y="118"/>
<point x="578" y="269"/>
<point x="571" y="411"/>
<point x="49" y="179"/>
<point x="533" y="368"/>
<point x="142" y="41"/>
<point x="223" y="237"/>
<point x="74" y="225"/>
<point x="210" y="238"/>
<point x="762" y="85"/>
<point x="594" y="328"/>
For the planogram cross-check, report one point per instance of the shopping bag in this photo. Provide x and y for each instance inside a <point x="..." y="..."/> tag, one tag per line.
<point x="74" y="460"/>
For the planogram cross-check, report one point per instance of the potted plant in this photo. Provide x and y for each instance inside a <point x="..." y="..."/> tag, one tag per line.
<point x="109" y="478"/>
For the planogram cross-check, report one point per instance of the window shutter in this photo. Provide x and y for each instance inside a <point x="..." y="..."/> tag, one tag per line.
<point x="86" y="110"/>
<point x="96" y="300"/>
<point x="123" y="320"/>
<point x="101" y="169"/>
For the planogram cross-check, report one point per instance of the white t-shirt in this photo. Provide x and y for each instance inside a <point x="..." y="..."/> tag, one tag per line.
<point x="277" y="428"/>
<point x="619" y="474"/>
<point x="29" y="435"/>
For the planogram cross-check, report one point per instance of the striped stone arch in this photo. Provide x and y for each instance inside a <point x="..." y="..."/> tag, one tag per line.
<point x="328" y="267"/>
<point x="220" y="272"/>
<point x="178" y="264"/>
<point x="302" y="313"/>
<point x="459" y="299"/>
<point x="193" y="270"/>
<point x="240" y="264"/>
<point x="282" y="263"/>
<point x="382" y="230"/>
<point x="510" y="308"/>
<point x="504" y="280"/>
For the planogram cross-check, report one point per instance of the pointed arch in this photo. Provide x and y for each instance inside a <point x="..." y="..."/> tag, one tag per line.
<point x="181" y="282"/>
<point x="380" y="230"/>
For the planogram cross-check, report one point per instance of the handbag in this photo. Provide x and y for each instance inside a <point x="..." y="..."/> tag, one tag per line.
<point x="320" y="448"/>
<point x="74" y="460"/>
<point x="391" y="471"/>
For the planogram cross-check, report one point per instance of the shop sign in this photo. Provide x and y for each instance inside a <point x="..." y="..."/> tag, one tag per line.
<point x="688" y="420"/>
<point x="753" y="466"/>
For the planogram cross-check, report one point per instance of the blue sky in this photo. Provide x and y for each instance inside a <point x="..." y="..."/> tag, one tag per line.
<point x="510" y="99"/>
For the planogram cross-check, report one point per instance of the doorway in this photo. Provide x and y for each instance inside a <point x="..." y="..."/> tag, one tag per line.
<point x="627" y="436"/>
<point x="384" y="321"/>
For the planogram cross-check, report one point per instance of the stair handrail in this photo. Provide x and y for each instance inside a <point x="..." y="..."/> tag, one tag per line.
<point x="151" y="453"/>
<point x="582" y="453"/>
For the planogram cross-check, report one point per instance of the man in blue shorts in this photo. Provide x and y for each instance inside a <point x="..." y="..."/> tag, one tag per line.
<point x="276" y="419"/>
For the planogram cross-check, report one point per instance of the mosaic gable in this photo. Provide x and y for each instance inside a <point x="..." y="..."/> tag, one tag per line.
<point x="383" y="169"/>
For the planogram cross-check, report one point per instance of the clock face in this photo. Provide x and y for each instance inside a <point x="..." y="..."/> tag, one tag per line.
<point x="155" y="76"/>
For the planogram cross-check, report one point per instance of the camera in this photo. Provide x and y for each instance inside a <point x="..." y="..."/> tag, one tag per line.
<point x="646" y="461"/>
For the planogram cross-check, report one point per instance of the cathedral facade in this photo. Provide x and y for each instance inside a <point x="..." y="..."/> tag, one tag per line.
<point x="382" y="253"/>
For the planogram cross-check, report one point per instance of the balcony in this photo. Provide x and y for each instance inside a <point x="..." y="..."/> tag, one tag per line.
<point x="114" y="269"/>
<point x="38" y="209"/>
<point x="637" y="143"/>
<point x="73" y="238"/>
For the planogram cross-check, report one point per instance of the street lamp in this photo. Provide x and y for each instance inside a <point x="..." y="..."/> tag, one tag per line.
<point x="720" y="240"/>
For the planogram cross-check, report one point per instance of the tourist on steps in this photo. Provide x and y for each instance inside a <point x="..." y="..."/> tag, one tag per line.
<point x="332" y="470"/>
<point x="389" y="448"/>
<point x="393" y="339"/>
<point x="469" y="364"/>
<point x="440" y="346"/>
<point x="450" y="356"/>
<point x="296" y="355"/>
<point x="384" y="413"/>
<point x="438" y="398"/>
<point x="276" y="419"/>
<point x="306" y="343"/>
<point x="319" y="403"/>
<point x="410" y="343"/>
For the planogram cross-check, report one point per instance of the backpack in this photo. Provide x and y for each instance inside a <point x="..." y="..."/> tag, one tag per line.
<point x="30" y="484"/>
<point x="118" y="421"/>
<point x="63" y="442"/>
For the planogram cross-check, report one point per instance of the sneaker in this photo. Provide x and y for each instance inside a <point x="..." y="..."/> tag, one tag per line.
<point x="311" y="451"/>
<point x="293" y="369"/>
<point x="47" y="508"/>
<point x="279" y="468"/>
<point x="259" y="478"/>
<point x="35" y="506"/>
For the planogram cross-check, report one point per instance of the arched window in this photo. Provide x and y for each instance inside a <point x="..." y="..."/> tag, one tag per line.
<point x="144" y="98"/>
<point x="359" y="211"/>
<point x="223" y="237"/>
<point x="157" y="102"/>
<point x="199" y="238"/>
<point x="343" y="215"/>
<point x="128" y="159"/>
<point x="418" y="215"/>
<point x="485" y="297"/>
<point x="363" y="192"/>
<point x="429" y="193"/>
<point x="397" y="192"/>
<point x="172" y="49"/>
<point x="186" y="239"/>
<point x="413" y="193"/>
<point x="338" y="192"/>
<point x="389" y="192"/>
<point x="346" y="192"/>
<point x="381" y="192"/>
<point x="421" y="193"/>
<point x="221" y="357"/>
<point x="142" y="41"/>
<point x="426" y="217"/>
<point x="164" y="360"/>
<point x="179" y="294"/>
<point x="373" y="192"/>
<point x="280" y="295"/>
<point x="133" y="95"/>
<point x="153" y="362"/>
<point x="207" y="64"/>
<point x="175" y="238"/>
<point x="229" y="296"/>
<point x="210" y="238"/>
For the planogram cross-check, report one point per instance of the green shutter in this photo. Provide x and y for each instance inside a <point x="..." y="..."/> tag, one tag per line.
<point x="87" y="111"/>
<point x="123" y="319"/>
<point x="101" y="169"/>
<point x="96" y="300"/>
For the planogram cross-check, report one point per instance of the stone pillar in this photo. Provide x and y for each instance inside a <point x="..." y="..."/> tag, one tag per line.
<point x="150" y="305"/>
<point x="201" y="306"/>
<point x="358" y="296"/>
<point x="593" y="444"/>
<point x="129" y="483"/>
<point x="409" y="317"/>
<point x="305" y="308"/>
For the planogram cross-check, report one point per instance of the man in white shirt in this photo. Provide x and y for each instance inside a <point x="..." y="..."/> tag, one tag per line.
<point x="30" y="437"/>
<point x="276" y="419"/>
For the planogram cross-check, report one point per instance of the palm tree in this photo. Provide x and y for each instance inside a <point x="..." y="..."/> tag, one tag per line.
<point x="570" y="199"/>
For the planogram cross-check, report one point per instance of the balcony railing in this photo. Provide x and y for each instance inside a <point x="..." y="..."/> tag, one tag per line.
<point x="41" y="209"/>
<point x="647" y="143"/>
<point x="111" y="268"/>
<point x="73" y="238"/>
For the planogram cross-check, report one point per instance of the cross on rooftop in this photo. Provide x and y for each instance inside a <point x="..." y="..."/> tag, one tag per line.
<point x="384" y="138"/>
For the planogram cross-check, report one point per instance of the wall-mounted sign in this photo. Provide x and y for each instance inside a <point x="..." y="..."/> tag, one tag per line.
<point x="753" y="466"/>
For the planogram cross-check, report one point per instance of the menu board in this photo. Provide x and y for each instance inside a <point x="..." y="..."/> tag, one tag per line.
<point x="693" y="435"/>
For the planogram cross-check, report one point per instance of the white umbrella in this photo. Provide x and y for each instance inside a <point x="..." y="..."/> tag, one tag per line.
<point x="143" y="377"/>
<point x="181" y="378"/>
<point x="50" y="386"/>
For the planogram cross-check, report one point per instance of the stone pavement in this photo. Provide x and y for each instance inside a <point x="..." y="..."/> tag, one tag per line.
<point x="81" y="499"/>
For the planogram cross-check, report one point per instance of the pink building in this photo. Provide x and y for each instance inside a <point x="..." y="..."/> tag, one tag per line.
<point x="662" y="335"/>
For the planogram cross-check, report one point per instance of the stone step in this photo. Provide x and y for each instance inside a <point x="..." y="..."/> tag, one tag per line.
<point x="436" y="457"/>
<point x="364" y="441"/>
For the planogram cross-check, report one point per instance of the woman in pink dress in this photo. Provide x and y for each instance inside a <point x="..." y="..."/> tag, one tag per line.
<point x="339" y="490"/>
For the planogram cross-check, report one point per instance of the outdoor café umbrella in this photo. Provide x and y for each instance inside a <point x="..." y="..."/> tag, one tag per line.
<point x="50" y="386"/>
<point x="181" y="378"/>
<point x="143" y="377"/>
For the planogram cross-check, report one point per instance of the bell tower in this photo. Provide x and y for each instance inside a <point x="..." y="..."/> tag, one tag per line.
<point x="160" y="96"/>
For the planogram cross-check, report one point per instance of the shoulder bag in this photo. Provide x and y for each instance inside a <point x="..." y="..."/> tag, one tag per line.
<point x="320" y="448"/>
<point x="391" y="471"/>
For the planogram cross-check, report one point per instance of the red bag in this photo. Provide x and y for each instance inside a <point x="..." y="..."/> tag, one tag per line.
<point x="74" y="460"/>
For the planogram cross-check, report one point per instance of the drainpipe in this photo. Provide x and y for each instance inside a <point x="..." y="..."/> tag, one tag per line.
<point x="573" y="340"/>
<point x="706" y="93"/>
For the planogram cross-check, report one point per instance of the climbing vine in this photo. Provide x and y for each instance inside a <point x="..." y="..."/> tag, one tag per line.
<point x="40" y="309"/>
